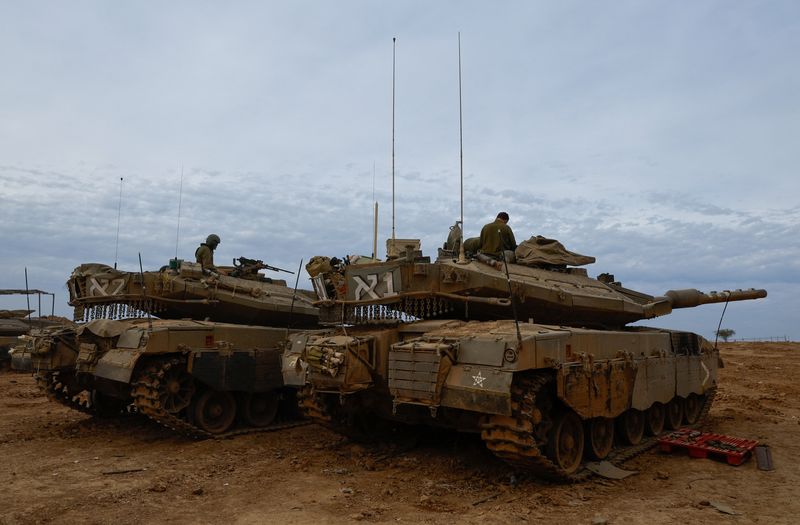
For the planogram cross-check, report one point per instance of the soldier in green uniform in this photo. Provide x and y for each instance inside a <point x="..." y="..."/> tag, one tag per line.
<point x="497" y="237"/>
<point x="205" y="253"/>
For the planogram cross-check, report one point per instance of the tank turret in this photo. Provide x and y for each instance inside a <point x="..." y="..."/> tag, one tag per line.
<point x="237" y="294"/>
<point x="483" y="289"/>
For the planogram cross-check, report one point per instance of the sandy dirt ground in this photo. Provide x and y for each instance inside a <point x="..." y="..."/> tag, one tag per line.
<point x="60" y="466"/>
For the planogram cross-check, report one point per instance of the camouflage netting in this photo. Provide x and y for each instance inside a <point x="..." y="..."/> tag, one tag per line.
<point x="541" y="251"/>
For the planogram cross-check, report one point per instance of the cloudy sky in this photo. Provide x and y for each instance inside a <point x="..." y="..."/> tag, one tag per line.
<point x="661" y="138"/>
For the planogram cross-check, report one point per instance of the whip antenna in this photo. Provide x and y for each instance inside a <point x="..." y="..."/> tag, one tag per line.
<point x="294" y="295"/>
<point x="716" y="335"/>
<point x="180" y="199"/>
<point x="119" y="214"/>
<point x="461" y="257"/>
<point x="394" y="46"/>
<point x="374" y="217"/>
<point x="145" y="301"/>
<point x="513" y="304"/>
<point x="28" y="296"/>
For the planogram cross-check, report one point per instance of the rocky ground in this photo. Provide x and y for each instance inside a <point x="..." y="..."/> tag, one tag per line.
<point x="59" y="466"/>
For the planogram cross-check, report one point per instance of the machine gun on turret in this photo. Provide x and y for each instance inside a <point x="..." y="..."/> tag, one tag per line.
<point x="245" y="268"/>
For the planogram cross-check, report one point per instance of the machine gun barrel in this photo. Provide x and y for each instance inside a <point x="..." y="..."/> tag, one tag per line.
<point x="276" y="269"/>
<point x="244" y="265"/>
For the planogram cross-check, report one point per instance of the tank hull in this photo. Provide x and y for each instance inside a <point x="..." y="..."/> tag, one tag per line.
<point x="475" y="376"/>
<point x="204" y="379"/>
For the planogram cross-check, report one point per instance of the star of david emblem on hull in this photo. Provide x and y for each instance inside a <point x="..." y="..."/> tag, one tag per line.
<point x="478" y="380"/>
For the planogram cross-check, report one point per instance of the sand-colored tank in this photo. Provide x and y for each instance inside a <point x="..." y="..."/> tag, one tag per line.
<point x="15" y="323"/>
<point x="200" y="377"/>
<point x="567" y="382"/>
<point x="197" y="377"/>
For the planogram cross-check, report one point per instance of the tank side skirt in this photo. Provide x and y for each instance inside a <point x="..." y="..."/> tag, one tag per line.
<point x="608" y="388"/>
<point x="147" y="401"/>
<point x="517" y="439"/>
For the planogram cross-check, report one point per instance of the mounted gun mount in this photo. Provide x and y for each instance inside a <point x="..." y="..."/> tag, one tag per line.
<point x="571" y="384"/>
<point x="245" y="268"/>
<point x="244" y="296"/>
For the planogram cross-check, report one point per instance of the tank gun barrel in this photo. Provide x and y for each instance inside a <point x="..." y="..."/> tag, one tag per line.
<point x="689" y="298"/>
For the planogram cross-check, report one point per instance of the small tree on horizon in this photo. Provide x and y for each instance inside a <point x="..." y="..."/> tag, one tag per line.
<point x="725" y="333"/>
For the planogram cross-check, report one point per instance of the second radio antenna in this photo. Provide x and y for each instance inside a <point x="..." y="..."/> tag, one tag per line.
<point x="119" y="214"/>
<point x="461" y="257"/>
<point x="180" y="199"/>
<point x="394" y="46"/>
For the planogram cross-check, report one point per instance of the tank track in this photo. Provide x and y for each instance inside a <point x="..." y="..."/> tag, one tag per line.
<point x="312" y="407"/>
<point x="315" y="409"/>
<point x="57" y="391"/>
<point x="517" y="439"/>
<point x="147" y="401"/>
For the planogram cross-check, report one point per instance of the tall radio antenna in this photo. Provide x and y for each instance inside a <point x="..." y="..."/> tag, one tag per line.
<point x="374" y="217"/>
<point x="461" y="257"/>
<point x="394" y="46"/>
<point x="180" y="199"/>
<point x="119" y="214"/>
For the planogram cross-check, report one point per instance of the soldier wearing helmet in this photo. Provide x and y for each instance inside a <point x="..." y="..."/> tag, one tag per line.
<point x="205" y="253"/>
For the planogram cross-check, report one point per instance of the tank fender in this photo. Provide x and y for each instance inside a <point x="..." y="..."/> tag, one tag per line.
<point x="597" y="388"/>
<point x="478" y="389"/>
<point x="118" y="363"/>
<point x="293" y="367"/>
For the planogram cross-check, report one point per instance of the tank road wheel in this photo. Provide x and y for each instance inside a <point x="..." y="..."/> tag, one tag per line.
<point x="176" y="387"/>
<point x="215" y="411"/>
<point x="599" y="437"/>
<point x="674" y="413"/>
<point x="260" y="408"/>
<point x="630" y="425"/>
<point x="565" y="442"/>
<point x="654" y="419"/>
<point x="692" y="408"/>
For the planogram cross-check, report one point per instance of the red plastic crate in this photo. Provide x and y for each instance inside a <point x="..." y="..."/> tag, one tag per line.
<point x="702" y="444"/>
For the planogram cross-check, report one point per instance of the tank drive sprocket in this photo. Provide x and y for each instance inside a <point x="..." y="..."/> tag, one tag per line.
<point x="346" y="418"/>
<point x="60" y="387"/>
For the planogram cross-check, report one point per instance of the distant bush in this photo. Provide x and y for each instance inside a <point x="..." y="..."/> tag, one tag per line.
<point x="725" y="333"/>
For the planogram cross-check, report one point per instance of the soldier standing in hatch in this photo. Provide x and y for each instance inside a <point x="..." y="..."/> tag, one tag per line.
<point x="205" y="253"/>
<point x="497" y="238"/>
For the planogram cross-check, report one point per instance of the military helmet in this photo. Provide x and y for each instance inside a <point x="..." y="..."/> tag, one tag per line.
<point x="212" y="239"/>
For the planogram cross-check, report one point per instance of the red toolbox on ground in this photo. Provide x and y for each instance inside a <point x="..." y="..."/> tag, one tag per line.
<point x="702" y="444"/>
